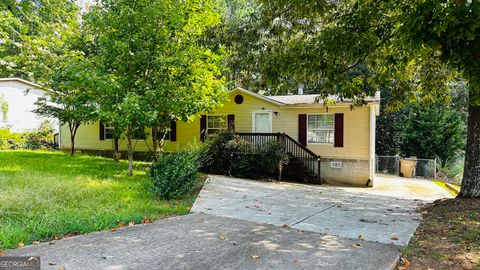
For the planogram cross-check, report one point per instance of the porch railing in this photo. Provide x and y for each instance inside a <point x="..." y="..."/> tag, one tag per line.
<point x="307" y="157"/>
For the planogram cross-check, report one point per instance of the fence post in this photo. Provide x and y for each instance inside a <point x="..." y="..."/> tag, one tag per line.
<point x="319" y="165"/>
<point x="397" y="165"/>
<point x="435" y="168"/>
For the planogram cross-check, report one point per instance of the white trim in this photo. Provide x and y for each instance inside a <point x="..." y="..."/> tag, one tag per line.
<point x="206" y="124"/>
<point x="370" y="101"/>
<point x="270" y="118"/>
<point x="333" y="143"/>
<point x="22" y="81"/>
<point x="264" y="98"/>
<point x="373" y="119"/>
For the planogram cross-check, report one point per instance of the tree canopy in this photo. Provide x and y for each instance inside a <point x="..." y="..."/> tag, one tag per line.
<point x="354" y="47"/>
<point x="156" y="66"/>
<point x="32" y="33"/>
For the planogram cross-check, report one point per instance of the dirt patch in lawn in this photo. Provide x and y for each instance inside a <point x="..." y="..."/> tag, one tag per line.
<point x="447" y="238"/>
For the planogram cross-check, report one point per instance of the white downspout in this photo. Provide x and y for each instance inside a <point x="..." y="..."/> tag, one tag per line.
<point x="372" y="143"/>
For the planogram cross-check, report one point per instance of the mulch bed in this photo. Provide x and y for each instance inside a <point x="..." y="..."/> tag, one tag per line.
<point x="447" y="238"/>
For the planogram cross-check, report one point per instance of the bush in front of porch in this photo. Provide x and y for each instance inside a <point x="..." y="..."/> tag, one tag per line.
<point x="228" y="154"/>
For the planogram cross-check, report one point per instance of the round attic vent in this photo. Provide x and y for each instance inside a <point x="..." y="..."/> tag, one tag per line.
<point x="239" y="99"/>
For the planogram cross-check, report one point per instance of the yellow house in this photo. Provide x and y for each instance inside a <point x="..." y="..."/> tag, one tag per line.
<point x="343" y="137"/>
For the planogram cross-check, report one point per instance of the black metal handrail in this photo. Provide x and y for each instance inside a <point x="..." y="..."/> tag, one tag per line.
<point x="306" y="156"/>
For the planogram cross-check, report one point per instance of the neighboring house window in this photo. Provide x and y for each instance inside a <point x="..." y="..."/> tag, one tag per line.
<point x="108" y="132"/>
<point x="320" y="128"/>
<point x="216" y="123"/>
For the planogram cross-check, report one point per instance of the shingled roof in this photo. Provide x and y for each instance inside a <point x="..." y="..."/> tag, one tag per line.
<point x="315" y="99"/>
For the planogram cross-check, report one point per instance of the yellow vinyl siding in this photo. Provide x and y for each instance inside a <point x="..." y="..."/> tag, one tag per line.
<point x="356" y="128"/>
<point x="243" y="112"/>
<point x="88" y="138"/>
<point x="88" y="135"/>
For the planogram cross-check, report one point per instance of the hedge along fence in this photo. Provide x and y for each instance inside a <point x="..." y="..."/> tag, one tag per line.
<point x="228" y="154"/>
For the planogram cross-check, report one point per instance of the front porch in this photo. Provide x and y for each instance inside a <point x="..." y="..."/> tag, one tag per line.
<point x="307" y="166"/>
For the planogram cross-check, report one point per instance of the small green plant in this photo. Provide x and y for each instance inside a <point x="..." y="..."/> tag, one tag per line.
<point x="452" y="168"/>
<point x="174" y="174"/>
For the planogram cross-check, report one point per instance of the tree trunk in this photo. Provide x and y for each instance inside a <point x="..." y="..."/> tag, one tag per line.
<point x="130" y="154"/>
<point x="471" y="173"/>
<point x="155" y="142"/>
<point x="72" y="143"/>
<point x="73" y="132"/>
<point x="116" y="152"/>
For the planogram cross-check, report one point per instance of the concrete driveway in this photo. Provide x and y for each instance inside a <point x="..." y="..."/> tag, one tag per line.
<point x="338" y="211"/>
<point x="242" y="224"/>
<point x="203" y="241"/>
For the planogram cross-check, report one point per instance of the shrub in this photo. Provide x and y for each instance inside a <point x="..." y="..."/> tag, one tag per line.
<point x="228" y="154"/>
<point x="41" y="138"/>
<point x="451" y="169"/>
<point x="217" y="154"/>
<point x="174" y="174"/>
<point x="11" y="140"/>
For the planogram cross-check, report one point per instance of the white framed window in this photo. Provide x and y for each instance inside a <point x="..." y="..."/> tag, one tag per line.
<point x="320" y="128"/>
<point x="109" y="132"/>
<point x="216" y="123"/>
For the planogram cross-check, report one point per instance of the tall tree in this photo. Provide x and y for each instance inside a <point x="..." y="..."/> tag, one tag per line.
<point x="31" y="32"/>
<point x="389" y="128"/>
<point x="434" y="131"/>
<point x="159" y="70"/>
<point x="71" y="101"/>
<point x="414" y="46"/>
<point x="437" y="130"/>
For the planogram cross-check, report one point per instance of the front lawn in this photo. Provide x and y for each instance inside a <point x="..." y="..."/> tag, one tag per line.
<point x="447" y="238"/>
<point x="45" y="195"/>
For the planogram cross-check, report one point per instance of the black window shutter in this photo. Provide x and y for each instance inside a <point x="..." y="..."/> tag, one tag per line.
<point x="173" y="131"/>
<point x="203" y="128"/>
<point x="338" y="130"/>
<point x="302" y="129"/>
<point x="102" y="131"/>
<point x="231" y="122"/>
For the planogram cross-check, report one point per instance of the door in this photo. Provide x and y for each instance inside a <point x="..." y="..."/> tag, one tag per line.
<point x="262" y="122"/>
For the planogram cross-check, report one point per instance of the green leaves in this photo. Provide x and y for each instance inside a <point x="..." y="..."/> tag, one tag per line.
<point x="3" y="108"/>
<point x="32" y="33"/>
<point x="153" y="49"/>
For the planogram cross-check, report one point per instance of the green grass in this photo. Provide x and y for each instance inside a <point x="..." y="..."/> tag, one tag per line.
<point x="44" y="195"/>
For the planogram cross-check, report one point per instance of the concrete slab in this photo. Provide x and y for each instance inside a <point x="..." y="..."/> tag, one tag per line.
<point x="338" y="211"/>
<point x="195" y="242"/>
<point x="406" y="188"/>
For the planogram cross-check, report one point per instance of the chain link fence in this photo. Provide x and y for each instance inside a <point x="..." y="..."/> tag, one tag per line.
<point x="423" y="168"/>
